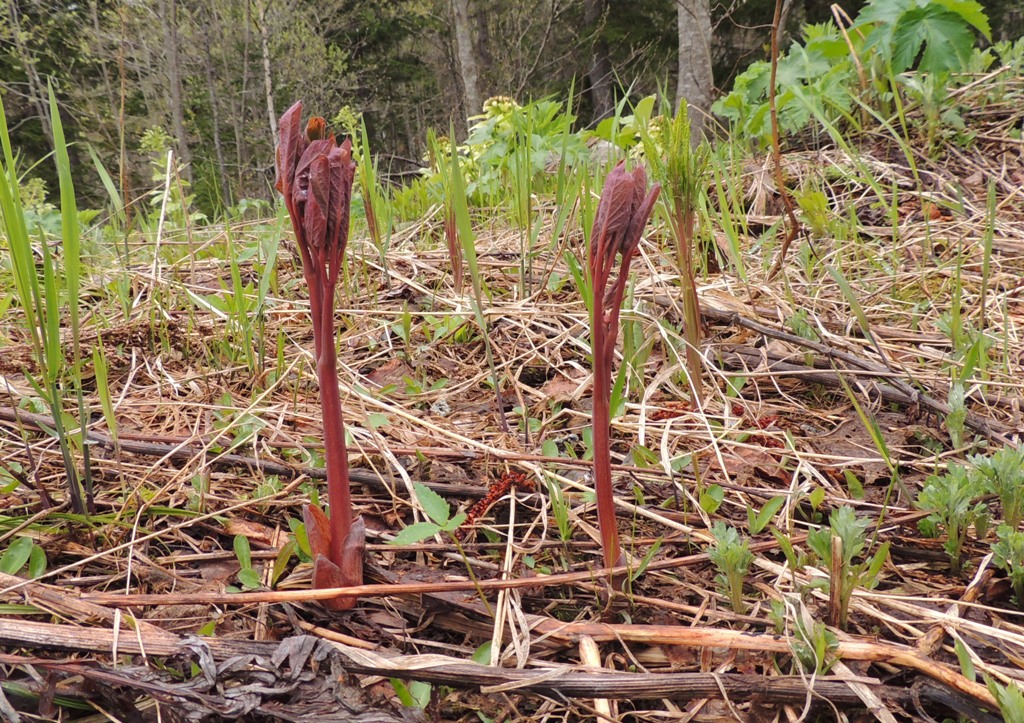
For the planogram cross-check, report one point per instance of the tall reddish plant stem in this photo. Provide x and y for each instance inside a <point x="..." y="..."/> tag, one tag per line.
<point x="316" y="175"/>
<point x="622" y="214"/>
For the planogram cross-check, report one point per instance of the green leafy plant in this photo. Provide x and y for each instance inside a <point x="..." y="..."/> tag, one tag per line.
<point x="814" y="644"/>
<point x="1009" y="697"/>
<point x="757" y="521"/>
<point x="622" y="213"/>
<point x="41" y="300"/>
<point x="732" y="556"/>
<point x="816" y="78"/>
<point x="412" y="694"/>
<point x="935" y="35"/>
<point x="679" y="166"/>
<point x="315" y="175"/>
<point x="837" y="546"/>
<point x="248" y="577"/>
<point x="1008" y="554"/>
<point x="440" y="518"/>
<point x="951" y="497"/>
<point x="23" y="553"/>
<point x="1002" y="474"/>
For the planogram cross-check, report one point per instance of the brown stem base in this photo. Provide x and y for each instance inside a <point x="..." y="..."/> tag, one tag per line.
<point x="347" y="570"/>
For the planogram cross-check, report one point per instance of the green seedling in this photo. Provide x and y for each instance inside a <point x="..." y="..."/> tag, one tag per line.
<point x="440" y="518"/>
<point x="957" y="415"/>
<point x="1008" y="554"/>
<point x="679" y="166"/>
<point x="711" y="498"/>
<point x="837" y="546"/>
<point x="559" y="509"/>
<point x="814" y="644"/>
<point x="732" y="557"/>
<point x="1009" y="697"/>
<point x="248" y="577"/>
<point x="1002" y="474"/>
<point x="951" y="497"/>
<point x="414" y="694"/>
<point x="21" y="554"/>
<point x="758" y="521"/>
<point x="47" y="301"/>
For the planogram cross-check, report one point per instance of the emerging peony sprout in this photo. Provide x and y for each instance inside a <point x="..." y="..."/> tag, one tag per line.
<point x="315" y="176"/>
<point x="622" y="213"/>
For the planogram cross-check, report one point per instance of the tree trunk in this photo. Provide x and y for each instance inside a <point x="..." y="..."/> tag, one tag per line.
<point x="240" y="102"/>
<point x="211" y="89"/>
<point x="467" y="58"/>
<point x="268" y="85"/>
<point x="600" y="72"/>
<point x="37" y="96"/>
<point x="696" y="82"/>
<point x="169" y="28"/>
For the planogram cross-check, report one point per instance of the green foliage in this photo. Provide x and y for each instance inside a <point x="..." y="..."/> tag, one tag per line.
<point x="414" y="694"/>
<point x="815" y="78"/>
<point x="758" y="521"/>
<point x="45" y="292"/>
<point x="814" y="644"/>
<point x="850" y="531"/>
<point x="936" y="31"/>
<point x="1002" y="474"/>
<point x="1009" y="697"/>
<point x="1008" y="554"/>
<point x="248" y="577"/>
<point x="951" y="497"/>
<point x="440" y="515"/>
<point x="732" y="557"/>
<point x="22" y="553"/>
<point x="488" y="156"/>
<point x="957" y="414"/>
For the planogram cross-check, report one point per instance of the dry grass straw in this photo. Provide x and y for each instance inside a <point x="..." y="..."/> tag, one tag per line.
<point x="155" y="549"/>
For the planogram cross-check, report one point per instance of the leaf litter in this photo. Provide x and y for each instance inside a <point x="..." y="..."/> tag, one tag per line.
<point x="140" y="610"/>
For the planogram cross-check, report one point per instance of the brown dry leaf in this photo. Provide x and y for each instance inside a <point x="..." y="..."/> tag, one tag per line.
<point x="390" y="372"/>
<point x="219" y="571"/>
<point x="253" y="530"/>
<point x="561" y="388"/>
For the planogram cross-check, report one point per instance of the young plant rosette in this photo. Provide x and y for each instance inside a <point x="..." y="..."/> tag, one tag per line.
<point x="622" y="214"/>
<point x="315" y="176"/>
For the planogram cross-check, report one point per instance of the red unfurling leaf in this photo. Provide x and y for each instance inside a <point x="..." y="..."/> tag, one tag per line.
<point x="290" y="148"/>
<point x="343" y="171"/>
<point x="315" y="215"/>
<point x="616" y="205"/>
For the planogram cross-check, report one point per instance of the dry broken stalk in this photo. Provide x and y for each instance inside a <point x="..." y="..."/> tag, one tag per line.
<point x="622" y="213"/>
<point x="315" y="176"/>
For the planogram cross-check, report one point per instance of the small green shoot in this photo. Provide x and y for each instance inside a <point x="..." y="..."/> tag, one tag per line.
<point x="957" y="415"/>
<point x="951" y="497"/>
<point x="1002" y="474"/>
<point x="440" y="514"/>
<point x="23" y="551"/>
<point x="248" y="577"/>
<point x="1009" y="697"/>
<point x="711" y="498"/>
<point x="758" y="521"/>
<point x="732" y="557"/>
<point x="414" y="694"/>
<point x="837" y="546"/>
<point x="1008" y="554"/>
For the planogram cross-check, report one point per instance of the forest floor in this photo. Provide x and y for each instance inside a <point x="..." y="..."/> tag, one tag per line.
<point x="812" y="403"/>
